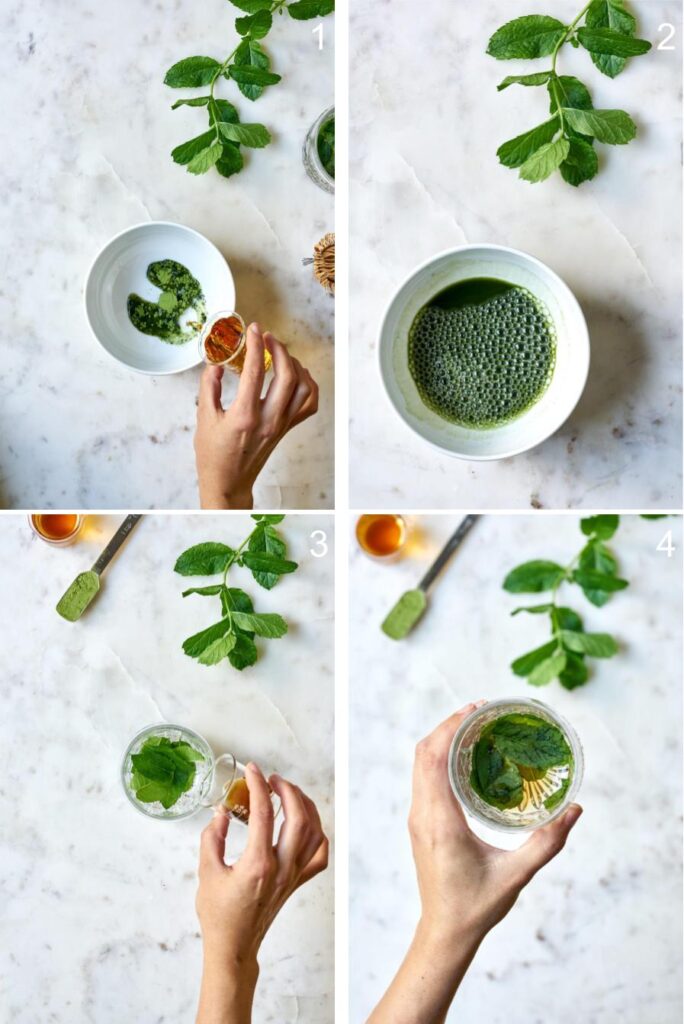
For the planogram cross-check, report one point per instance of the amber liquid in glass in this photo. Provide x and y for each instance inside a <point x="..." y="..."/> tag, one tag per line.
<point x="55" y="527"/>
<point x="381" y="535"/>
<point x="225" y="344"/>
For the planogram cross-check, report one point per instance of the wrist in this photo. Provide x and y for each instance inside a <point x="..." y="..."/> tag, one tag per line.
<point x="216" y="498"/>
<point x="446" y="941"/>
<point x="228" y="987"/>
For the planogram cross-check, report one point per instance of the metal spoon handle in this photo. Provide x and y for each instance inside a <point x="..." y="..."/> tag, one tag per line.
<point x="446" y="552"/>
<point x="115" y="543"/>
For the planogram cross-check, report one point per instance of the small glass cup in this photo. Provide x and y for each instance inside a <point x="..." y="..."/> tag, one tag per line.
<point x="58" y="529"/>
<point x="233" y="357"/>
<point x="535" y="812"/>
<point x="219" y="782"/>
<point x="381" y="536"/>
<point x="311" y="156"/>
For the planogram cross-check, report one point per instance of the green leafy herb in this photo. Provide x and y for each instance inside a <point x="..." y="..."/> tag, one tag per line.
<point x="515" y="748"/>
<point x="566" y="142"/>
<point x="595" y="571"/>
<point x="263" y="553"/>
<point x="163" y="770"/>
<point x="249" y="67"/>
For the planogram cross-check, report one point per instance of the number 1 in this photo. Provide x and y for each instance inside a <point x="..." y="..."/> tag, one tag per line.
<point x="319" y="29"/>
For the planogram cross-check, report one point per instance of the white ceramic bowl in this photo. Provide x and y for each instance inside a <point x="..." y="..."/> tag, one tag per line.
<point x="572" y="351"/>
<point x="121" y="268"/>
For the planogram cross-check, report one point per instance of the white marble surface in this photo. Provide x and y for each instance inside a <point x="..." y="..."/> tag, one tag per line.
<point x="98" y="921"/>
<point x="426" y="121"/>
<point x="597" y="935"/>
<point x="87" y="132"/>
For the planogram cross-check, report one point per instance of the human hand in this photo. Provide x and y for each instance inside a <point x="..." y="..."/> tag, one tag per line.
<point x="466" y="886"/>
<point x="236" y="905"/>
<point x="233" y="445"/>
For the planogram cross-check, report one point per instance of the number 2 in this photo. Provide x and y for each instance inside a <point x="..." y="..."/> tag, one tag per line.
<point x="666" y="544"/>
<point x="319" y="29"/>
<point x="662" y="45"/>
<point x="320" y="539"/>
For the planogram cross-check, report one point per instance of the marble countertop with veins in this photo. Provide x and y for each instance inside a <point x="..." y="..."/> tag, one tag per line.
<point x="89" y="126"/>
<point x="597" y="935"/>
<point x="425" y="122"/>
<point x="98" y="922"/>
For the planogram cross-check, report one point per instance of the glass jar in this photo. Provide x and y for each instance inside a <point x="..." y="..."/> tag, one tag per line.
<point x="311" y="152"/>
<point x="381" y="536"/>
<point x="219" y="782"/>
<point x="57" y="529"/>
<point x="223" y="341"/>
<point x="536" y="791"/>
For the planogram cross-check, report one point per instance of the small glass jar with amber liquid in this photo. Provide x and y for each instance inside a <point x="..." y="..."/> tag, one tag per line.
<point x="58" y="529"/>
<point x="381" y="536"/>
<point x="223" y="342"/>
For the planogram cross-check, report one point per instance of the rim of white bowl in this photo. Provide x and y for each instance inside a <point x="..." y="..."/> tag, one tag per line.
<point x="498" y="248"/>
<point x="114" y="238"/>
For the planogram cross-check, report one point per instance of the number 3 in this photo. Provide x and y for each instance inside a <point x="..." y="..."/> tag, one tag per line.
<point x="320" y="539"/>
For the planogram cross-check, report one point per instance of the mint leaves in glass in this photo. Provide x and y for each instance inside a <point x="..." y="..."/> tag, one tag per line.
<point x="515" y="764"/>
<point x="319" y="151"/>
<point x="606" y="29"/>
<point x="166" y="771"/>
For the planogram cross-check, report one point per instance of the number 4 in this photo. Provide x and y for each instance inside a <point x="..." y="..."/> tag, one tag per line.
<point x="666" y="544"/>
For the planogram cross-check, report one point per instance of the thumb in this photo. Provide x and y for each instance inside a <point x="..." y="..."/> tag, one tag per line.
<point x="545" y="843"/>
<point x="210" y="390"/>
<point x="213" y="842"/>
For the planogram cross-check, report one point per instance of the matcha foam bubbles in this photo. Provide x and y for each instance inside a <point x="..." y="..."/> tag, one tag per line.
<point x="482" y="352"/>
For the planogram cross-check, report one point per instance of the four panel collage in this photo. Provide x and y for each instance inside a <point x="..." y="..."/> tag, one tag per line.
<point x="351" y="583"/>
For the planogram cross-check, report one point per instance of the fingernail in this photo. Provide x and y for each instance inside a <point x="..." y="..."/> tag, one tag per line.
<point x="252" y="767"/>
<point x="466" y="707"/>
<point x="481" y="703"/>
<point x="255" y="329"/>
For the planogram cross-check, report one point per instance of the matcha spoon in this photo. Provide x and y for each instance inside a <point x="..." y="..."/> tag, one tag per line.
<point x="86" y="586"/>
<point x="411" y="605"/>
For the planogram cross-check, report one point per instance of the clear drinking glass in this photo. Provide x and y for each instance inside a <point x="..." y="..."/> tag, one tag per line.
<point x="381" y="536"/>
<point x="235" y="361"/>
<point x="535" y="813"/>
<point x="311" y="156"/>
<point x="218" y="782"/>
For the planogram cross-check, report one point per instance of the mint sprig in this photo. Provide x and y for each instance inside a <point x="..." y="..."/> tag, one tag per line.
<point x="163" y="770"/>
<point x="595" y="571"/>
<point x="263" y="552"/>
<point x="566" y="142"/>
<point x="249" y="67"/>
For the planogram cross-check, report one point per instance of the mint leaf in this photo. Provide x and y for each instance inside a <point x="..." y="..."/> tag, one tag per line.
<point x="266" y="624"/>
<point x="526" y="663"/>
<point x="597" y="645"/>
<point x="603" y="526"/>
<point x="211" y="591"/>
<point x="530" y="741"/>
<point x="187" y="151"/>
<point x="496" y="779"/>
<point x="268" y="518"/>
<point x="163" y="770"/>
<point x="568" y="91"/>
<point x="196" y="101"/>
<point x="205" y="159"/>
<point x="263" y="561"/>
<point x="581" y="164"/>
<point x="608" y="42"/>
<point x="235" y="600"/>
<point x="533" y="577"/>
<point x="253" y="135"/>
<point x="614" y="127"/>
<point x="516" y="151"/>
<point x="595" y="556"/>
<point x="545" y="161"/>
<point x="230" y="161"/>
<point x="534" y="35"/>
<point x="218" y="649"/>
<point x="575" y="672"/>
<point x="192" y="72"/>
<point x="196" y="644"/>
<point x="303" y="10"/>
<point x="222" y="110"/>
<point x="204" y="559"/>
<point x="250" y="74"/>
<point x="539" y="78"/>
<point x="252" y="6"/>
<point x="251" y="54"/>
<point x="535" y="609"/>
<point x="566" y="618"/>
<point x="590" y="579"/>
<point x="266" y="538"/>
<point x="548" y="669"/>
<point x="256" y="26"/>
<point x="244" y="653"/>
<point x="610" y="14"/>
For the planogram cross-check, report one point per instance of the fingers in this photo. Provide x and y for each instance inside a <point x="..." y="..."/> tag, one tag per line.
<point x="318" y="863"/>
<point x="304" y="402"/>
<point x="430" y="771"/>
<point x="293" y="394"/>
<point x="260" y="825"/>
<point x="209" y="400"/>
<point x="544" y="844"/>
<point x="301" y="836"/>
<point x="213" y="843"/>
<point x="252" y="376"/>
